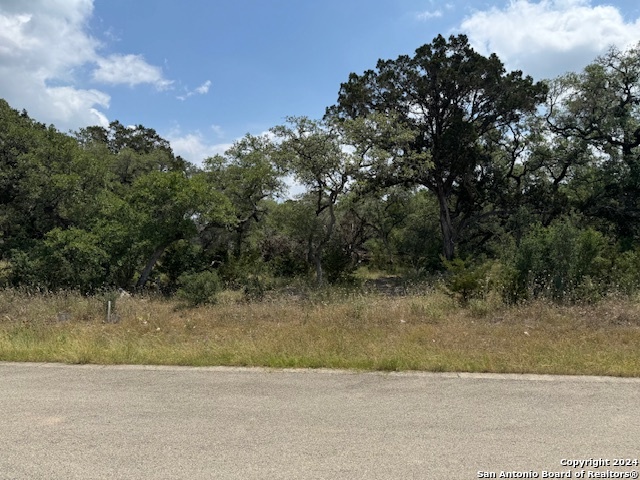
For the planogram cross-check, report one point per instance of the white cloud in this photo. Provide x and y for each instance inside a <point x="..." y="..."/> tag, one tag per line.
<point x="201" y="90"/>
<point x="101" y="118"/>
<point x="204" y="88"/>
<point x="429" y="15"/>
<point x="194" y="147"/>
<point x="549" y="37"/>
<point x="41" y="43"/>
<point x="217" y="129"/>
<point x="44" y="44"/>
<point x="68" y="102"/>
<point x="129" y="70"/>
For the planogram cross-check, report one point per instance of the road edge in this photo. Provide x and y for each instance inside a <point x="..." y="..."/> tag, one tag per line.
<point x="329" y="371"/>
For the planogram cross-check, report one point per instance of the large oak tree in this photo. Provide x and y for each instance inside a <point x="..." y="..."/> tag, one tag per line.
<point x="462" y="106"/>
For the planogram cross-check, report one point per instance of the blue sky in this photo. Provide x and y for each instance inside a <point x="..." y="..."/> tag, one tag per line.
<point x="205" y="72"/>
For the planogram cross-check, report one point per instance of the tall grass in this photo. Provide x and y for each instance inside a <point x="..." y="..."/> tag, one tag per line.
<point x="428" y="331"/>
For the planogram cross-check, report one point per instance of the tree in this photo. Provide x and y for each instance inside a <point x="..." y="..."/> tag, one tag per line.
<point x="171" y="206"/>
<point x="247" y="174"/>
<point x="599" y="110"/>
<point x="283" y="244"/>
<point x="37" y="177"/>
<point x="48" y="191"/>
<point x="71" y="258"/>
<point x="135" y="150"/>
<point x="460" y="104"/>
<point x="375" y="219"/>
<point x="151" y="198"/>
<point x="315" y="153"/>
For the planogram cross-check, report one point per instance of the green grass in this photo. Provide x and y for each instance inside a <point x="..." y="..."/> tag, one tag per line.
<point x="427" y="332"/>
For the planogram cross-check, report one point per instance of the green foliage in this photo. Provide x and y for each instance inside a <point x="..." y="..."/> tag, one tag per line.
<point x="248" y="274"/>
<point x="285" y="244"/>
<point x="462" y="108"/>
<point x="117" y="224"/>
<point x="284" y="255"/>
<point x="183" y="256"/>
<point x="21" y="269"/>
<point x="562" y="262"/>
<point x="73" y="259"/>
<point x="494" y="184"/>
<point x="598" y="109"/>
<point x="625" y="276"/>
<point x="45" y="182"/>
<point x="314" y="153"/>
<point x="477" y="281"/>
<point x="465" y="280"/>
<point x="199" y="288"/>
<point x="65" y="259"/>
<point x="418" y="240"/>
<point x="338" y="264"/>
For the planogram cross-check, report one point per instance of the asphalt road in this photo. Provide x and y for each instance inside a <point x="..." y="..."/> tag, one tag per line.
<point x="93" y="422"/>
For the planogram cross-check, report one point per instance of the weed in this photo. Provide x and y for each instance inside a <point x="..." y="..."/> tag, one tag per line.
<point x="334" y="329"/>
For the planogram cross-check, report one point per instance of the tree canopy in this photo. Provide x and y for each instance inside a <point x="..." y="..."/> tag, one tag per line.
<point x="440" y="162"/>
<point x="460" y="104"/>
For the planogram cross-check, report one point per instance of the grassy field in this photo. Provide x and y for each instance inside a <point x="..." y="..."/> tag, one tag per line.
<point x="428" y="332"/>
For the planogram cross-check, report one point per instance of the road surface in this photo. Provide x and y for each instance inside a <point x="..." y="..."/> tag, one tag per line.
<point x="127" y="422"/>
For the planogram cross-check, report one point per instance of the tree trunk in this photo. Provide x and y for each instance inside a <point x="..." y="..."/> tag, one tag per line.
<point x="315" y="253"/>
<point x="446" y="226"/>
<point x="146" y="271"/>
<point x="319" y="271"/>
<point x="314" y="257"/>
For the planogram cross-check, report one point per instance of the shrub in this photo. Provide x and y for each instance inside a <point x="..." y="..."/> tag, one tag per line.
<point x="464" y="279"/>
<point x="199" y="288"/>
<point x="626" y="272"/>
<point x="562" y="262"/>
<point x="63" y="259"/>
<point x="477" y="281"/>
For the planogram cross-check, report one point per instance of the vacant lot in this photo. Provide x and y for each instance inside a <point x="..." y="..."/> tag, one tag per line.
<point x="362" y="331"/>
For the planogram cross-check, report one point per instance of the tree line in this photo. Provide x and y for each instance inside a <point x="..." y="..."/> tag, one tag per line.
<point x="438" y="162"/>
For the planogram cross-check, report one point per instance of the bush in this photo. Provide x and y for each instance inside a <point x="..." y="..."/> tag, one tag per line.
<point x="5" y="273"/>
<point x="463" y="279"/>
<point x="247" y="274"/>
<point x="199" y="288"/>
<point x="70" y="259"/>
<point x="626" y="272"/>
<point x="181" y="257"/>
<point x="470" y="281"/>
<point x="562" y="262"/>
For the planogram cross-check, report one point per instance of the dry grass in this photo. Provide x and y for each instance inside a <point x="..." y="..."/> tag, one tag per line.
<point x="369" y="332"/>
